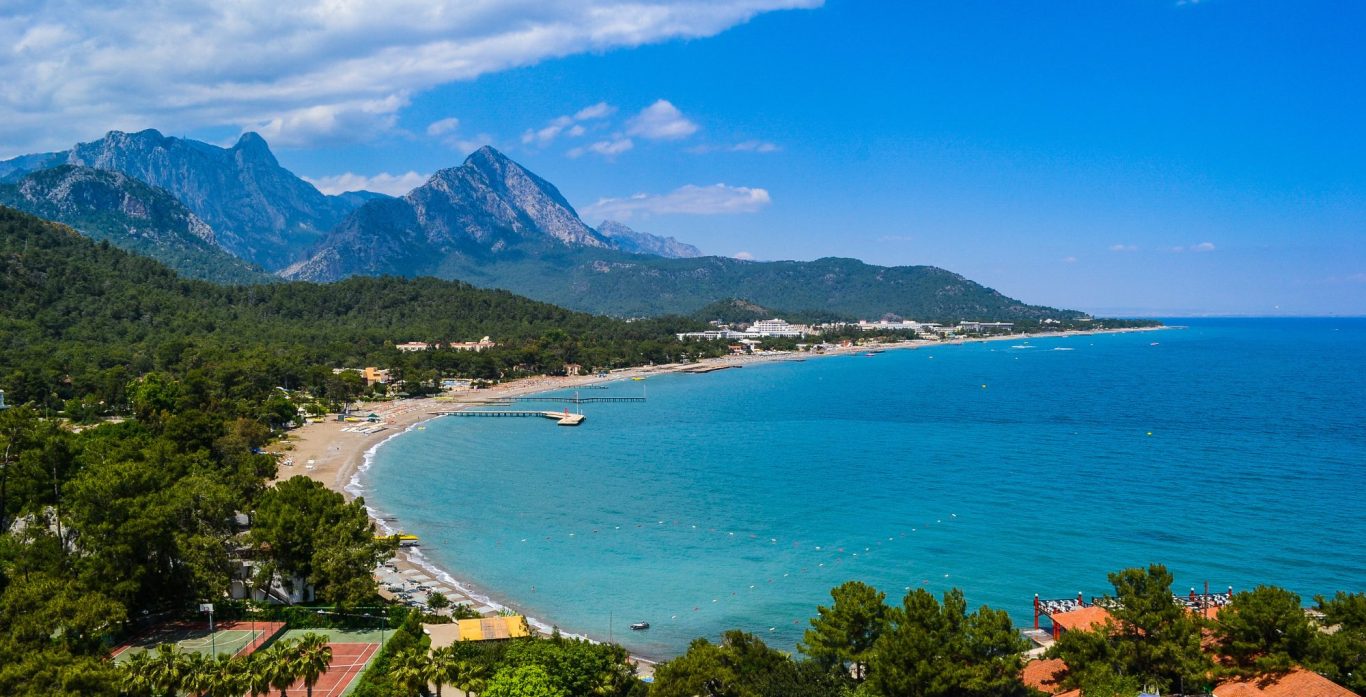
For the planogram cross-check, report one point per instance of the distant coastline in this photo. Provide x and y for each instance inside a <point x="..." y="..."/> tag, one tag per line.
<point x="339" y="459"/>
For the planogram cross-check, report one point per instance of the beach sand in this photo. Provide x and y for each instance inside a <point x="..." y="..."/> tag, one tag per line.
<point x="332" y="452"/>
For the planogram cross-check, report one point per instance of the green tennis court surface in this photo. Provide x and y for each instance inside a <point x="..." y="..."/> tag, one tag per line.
<point x="232" y="638"/>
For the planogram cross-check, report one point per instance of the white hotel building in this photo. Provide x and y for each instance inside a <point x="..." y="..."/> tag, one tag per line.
<point x="777" y="327"/>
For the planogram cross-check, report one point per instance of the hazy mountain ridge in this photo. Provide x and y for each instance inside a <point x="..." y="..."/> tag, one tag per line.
<point x="114" y="207"/>
<point x="628" y="240"/>
<point x="492" y="223"/>
<point x="633" y="285"/>
<point x="260" y="211"/>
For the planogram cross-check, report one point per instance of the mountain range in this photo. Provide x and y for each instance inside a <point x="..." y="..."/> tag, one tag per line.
<point x="489" y="222"/>
<point x="259" y="211"/>
<point x="114" y="207"/>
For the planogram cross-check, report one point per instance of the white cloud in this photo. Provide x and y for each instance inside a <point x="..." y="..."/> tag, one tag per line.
<point x="746" y="256"/>
<point x="442" y="127"/>
<point x="1202" y="247"/>
<point x="690" y="199"/>
<point x="384" y="183"/>
<point x="568" y="125"/>
<point x="761" y="146"/>
<point x="754" y="146"/>
<point x="597" y="111"/>
<point x="76" y="69"/>
<point x="1124" y="248"/>
<point x="332" y="123"/>
<point x="448" y="131"/>
<point x="469" y="145"/>
<point x="606" y="148"/>
<point x="661" y="121"/>
<point x="1069" y="260"/>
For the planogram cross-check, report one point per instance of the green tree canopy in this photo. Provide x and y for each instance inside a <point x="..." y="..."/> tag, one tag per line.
<point x="580" y="667"/>
<point x="931" y="649"/>
<point x="1152" y="637"/>
<point x="1264" y="630"/>
<point x="524" y="681"/>
<point x="312" y="532"/>
<point x="741" y="666"/>
<point x="1341" y="654"/>
<point x="844" y="633"/>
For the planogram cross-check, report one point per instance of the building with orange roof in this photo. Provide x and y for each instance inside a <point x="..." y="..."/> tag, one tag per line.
<point x="1083" y="618"/>
<point x="1044" y="675"/>
<point x="1296" y="683"/>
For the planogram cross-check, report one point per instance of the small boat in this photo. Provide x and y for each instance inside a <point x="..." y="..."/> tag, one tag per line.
<point x="640" y="626"/>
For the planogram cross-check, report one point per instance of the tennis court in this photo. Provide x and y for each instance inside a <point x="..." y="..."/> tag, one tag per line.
<point x="231" y="637"/>
<point x="351" y="652"/>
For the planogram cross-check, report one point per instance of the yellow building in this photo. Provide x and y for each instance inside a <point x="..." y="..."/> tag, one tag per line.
<point x="482" y="629"/>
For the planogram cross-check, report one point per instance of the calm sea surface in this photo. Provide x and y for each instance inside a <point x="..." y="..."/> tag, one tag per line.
<point x="1232" y="451"/>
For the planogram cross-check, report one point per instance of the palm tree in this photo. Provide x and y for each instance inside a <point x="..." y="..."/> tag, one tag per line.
<point x="614" y="680"/>
<point x="408" y="668"/>
<point x="137" y="675"/>
<point x="229" y="676"/>
<point x="167" y="669"/>
<point x="280" y="662"/>
<point x="199" y="677"/>
<point x="314" y="656"/>
<point x="474" y="679"/>
<point x="442" y="667"/>
<point x="256" y="674"/>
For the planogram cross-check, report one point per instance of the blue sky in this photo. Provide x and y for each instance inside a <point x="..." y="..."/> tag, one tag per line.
<point x="1134" y="156"/>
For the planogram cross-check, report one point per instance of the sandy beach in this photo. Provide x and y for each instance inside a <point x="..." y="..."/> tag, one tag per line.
<point x="332" y="452"/>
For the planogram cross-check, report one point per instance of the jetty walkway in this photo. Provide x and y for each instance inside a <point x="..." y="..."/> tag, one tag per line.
<point x="567" y="400"/>
<point x="562" y="418"/>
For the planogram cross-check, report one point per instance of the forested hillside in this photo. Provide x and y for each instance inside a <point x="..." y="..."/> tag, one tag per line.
<point x="83" y="318"/>
<point x="633" y="285"/>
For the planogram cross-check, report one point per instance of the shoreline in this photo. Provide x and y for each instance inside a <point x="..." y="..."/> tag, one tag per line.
<point x="337" y="454"/>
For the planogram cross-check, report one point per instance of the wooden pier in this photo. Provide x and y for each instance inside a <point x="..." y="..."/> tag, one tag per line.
<point x="567" y="400"/>
<point x="573" y="400"/>
<point x="563" y="418"/>
<point x="704" y="369"/>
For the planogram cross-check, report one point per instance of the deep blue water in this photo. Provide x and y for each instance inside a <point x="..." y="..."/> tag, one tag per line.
<point x="1232" y="451"/>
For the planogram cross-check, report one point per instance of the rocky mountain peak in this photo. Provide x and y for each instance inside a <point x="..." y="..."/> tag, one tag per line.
<point x="260" y="211"/>
<point x="521" y="202"/>
<point x="627" y="240"/>
<point x="488" y="157"/>
<point x="253" y="148"/>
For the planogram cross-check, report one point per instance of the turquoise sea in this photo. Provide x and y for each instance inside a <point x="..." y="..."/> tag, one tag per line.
<point x="1231" y="450"/>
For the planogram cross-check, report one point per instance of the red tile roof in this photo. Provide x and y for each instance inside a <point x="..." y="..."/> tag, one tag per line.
<point x="1043" y="675"/>
<point x="1296" y="683"/>
<point x="1084" y="618"/>
<point x="1238" y="689"/>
